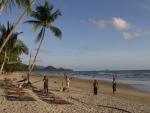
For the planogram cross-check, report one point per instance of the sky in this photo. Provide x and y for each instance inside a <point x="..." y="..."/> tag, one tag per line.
<point x="96" y="35"/>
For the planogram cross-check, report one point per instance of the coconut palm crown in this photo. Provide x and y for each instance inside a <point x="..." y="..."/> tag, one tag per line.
<point x="43" y="18"/>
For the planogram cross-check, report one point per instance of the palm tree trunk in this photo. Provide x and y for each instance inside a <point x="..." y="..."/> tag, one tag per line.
<point x="15" y="26"/>
<point x="2" y="5"/>
<point x="32" y="66"/>
<point x="2" y="66"/>
<point x="35" y="57"/>
<point x="29" y="62"/>
<point x="29" y="66"/>
<point x="4" y="61"/>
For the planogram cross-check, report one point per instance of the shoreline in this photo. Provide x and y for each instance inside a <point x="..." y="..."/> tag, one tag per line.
<point x="137" y="87"/>
<point x="138" y="84"/>
<point x="102" y="85"/>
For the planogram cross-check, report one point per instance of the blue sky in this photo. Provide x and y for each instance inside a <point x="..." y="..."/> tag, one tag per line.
<point x="97" y="35"/>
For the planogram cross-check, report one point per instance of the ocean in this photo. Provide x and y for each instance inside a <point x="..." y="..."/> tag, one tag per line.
<point x="139" y="79"/>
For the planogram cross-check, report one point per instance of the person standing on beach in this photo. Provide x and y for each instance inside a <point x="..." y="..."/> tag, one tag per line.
<point x="95" y="87"/>
<point x="114" y="85"/>
<point x="67" y="81"/>
<point x="45" y="80"/>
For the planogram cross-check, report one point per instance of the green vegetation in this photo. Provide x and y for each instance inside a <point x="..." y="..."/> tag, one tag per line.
<point x="10" y="56"/>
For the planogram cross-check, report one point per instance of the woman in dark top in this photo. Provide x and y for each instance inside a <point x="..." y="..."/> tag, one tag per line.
<point x="114" y="85"/>
<point x="95" y="87"/>
<point x="45" y="80"/>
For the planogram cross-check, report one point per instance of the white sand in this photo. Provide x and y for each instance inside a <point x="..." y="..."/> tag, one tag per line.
<point x="127" y="100"/>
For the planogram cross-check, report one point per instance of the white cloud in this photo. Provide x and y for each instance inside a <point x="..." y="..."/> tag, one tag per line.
<point x="134" y="35"/>
<point x="129" y="31"/>
<point x="120" y="24"/>
<point x="117" y="23"/>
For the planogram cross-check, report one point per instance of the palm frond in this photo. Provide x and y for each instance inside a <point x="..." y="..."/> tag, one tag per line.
<point x="26" y="4"/>
<point x="39" y="36"/>
<point x="36" y="24"/>
<point x="32" y="21"/>
<point x="20" y="47"/>
<point x="57" y="32"/>
<point x="20" y="3"/>
<point x="44" y="16"/>
<point x="4" y="31"/>
<point x="55" y="15"/>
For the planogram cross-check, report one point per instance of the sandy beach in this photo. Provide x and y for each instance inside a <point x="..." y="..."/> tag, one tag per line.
<point x="74" y="56"/>
<point x="80" y="97"/>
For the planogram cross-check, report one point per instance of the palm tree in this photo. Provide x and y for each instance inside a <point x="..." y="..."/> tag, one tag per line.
<point x="13" y="49"/>
<point x="12" y="3"/>
<point x="14" y="53"/>
<point x="44" y="17"/>
<point x="3" y="33"/>
<point x="15" y="26"/>
<point x="20" y="47"/>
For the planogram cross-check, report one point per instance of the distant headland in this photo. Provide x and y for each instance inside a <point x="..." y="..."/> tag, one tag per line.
<point x="24" y="67"/>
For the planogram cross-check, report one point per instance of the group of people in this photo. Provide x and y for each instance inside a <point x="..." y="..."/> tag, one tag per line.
<point x="45" y="81"/>
<point x="67" y="80"/>
<point x="95" y="86"/>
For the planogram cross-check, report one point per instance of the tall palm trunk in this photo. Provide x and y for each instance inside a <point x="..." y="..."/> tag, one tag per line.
<point x="29" y="61"/>
<point x="2" y="5"/>
<point x="29" y="66"/>
<point x="4" y="61"/>
<point x="35" y="57"/>
<point x="14" y="28"/>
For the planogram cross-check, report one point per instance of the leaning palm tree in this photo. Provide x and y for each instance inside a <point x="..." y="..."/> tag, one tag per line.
<point x="12" y="3"/>
<point x="14" y="48"/>
<point x="44" y="17"/>
<point x="15" y="26"/>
